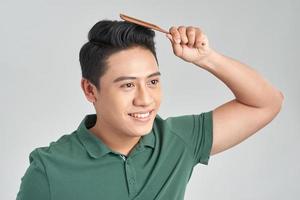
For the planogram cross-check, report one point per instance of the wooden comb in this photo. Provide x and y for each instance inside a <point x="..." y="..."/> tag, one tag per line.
<point x="142" y="23"/>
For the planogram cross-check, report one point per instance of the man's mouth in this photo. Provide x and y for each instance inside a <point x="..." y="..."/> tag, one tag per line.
<point x="141" y="115"/>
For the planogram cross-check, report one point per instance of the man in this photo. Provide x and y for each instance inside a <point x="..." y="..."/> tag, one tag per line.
<point x="126" y="150"/>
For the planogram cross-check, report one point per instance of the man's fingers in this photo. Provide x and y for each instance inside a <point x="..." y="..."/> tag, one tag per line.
<point x="175" y="34"/>
<point x="182" y="32"/>
<point x="177" y="49"/>
<point x="170" y="37"/>
<point x="191" y="34"/>
<point x="200" y="39"/>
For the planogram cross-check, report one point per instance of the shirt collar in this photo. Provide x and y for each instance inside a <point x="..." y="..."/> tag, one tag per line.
<point x="94" y="145"/>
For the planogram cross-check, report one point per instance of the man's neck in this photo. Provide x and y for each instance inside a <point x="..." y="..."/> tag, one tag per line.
<point x="114" y="141"/>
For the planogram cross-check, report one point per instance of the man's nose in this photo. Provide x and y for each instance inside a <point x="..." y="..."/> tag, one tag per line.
<point x="143" y="97"/>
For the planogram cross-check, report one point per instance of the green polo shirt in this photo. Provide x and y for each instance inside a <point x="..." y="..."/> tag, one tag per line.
<point x="79" y="166"/>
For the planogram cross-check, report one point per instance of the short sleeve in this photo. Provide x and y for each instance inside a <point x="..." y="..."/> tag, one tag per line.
<point x="197" y="132"/>
<point x="34" y="183"/>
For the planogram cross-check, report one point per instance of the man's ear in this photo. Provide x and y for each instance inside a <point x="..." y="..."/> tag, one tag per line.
<point x="89" y="90"/>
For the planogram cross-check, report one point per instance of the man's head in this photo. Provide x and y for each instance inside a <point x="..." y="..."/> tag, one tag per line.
<point x="120" y="76"/>
<point x="106" y="38"/>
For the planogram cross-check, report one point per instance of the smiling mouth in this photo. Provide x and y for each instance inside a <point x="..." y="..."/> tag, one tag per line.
<point x="141" y="116"/>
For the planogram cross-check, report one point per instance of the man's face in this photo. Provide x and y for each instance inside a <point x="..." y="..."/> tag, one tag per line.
<point x="121" y="96"/>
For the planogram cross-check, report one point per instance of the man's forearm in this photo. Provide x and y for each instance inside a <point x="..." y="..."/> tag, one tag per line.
<point x="247" y="85"/>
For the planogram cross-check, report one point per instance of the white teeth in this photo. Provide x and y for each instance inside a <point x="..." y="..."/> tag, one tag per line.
<point x="138" y="115"/>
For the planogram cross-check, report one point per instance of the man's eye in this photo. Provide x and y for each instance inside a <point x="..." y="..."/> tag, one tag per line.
<point x="127" y="85"/>
<point x="154" y="82"/>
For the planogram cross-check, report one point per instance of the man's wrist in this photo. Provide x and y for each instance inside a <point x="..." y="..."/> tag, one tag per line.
<point x="209" y="62"/>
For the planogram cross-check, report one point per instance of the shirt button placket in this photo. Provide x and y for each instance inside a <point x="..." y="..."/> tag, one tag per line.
<point x="130" y="177"/>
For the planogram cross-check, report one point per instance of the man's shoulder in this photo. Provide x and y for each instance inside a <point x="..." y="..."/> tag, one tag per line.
<point x="186" y="125"/>
<point x="173" y="125"/>
<point x="63" y="146"/>
<point x="176" y="122"/>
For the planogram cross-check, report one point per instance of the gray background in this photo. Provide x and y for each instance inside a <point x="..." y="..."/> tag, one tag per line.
<point x="41" y="98"/>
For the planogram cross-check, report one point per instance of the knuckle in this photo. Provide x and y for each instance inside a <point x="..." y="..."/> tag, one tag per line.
<point x="198" y="29"/>
<point x="181" y="28"/>
<point x="177" y="35"/>
<point x="190" y="32"/>
<point x="172" y="29"/>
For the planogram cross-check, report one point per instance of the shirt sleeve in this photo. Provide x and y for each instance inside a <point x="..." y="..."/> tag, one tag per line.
<point x="34" y="183"/>
<point x="197" y="132"/>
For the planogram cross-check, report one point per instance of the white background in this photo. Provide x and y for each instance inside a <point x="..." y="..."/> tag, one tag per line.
<point x="41" y="98"/>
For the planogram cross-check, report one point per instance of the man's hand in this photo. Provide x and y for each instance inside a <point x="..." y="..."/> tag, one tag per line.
<point x="189" y="43"/>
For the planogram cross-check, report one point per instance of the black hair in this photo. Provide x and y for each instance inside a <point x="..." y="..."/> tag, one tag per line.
<point x="107" y="37"/>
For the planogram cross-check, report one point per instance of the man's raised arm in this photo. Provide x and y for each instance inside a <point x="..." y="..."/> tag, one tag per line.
<point x="256" y="101"/>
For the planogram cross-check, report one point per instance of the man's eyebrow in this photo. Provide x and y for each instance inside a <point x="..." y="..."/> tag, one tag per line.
<point x="122" y="78"/>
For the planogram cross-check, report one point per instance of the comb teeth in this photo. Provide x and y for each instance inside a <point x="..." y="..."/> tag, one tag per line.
<point x="142" y="23"/>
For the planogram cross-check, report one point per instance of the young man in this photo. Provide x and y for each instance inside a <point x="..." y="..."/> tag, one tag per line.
<point x="126" y="150"/>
